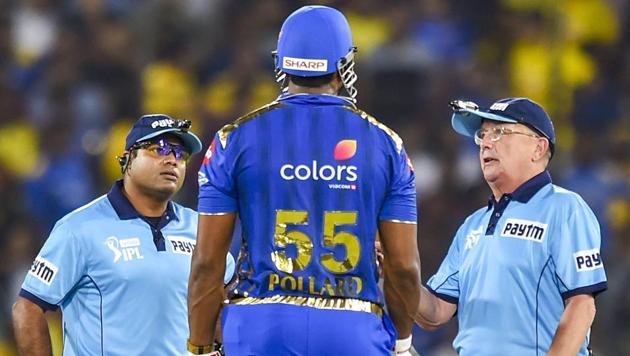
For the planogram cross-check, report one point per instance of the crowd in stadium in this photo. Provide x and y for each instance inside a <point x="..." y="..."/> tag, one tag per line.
<point x="75" y="74"/>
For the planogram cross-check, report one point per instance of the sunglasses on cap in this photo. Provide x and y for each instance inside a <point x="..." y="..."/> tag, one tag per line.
<point x="164" y="148"/>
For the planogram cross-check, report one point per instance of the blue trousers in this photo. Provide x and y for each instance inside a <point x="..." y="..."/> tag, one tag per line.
<point x="284" y="329"/>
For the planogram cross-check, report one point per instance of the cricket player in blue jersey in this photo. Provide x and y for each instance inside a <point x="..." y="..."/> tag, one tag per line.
<point x="522" y="272"/>
<point x="313" y="180"/>
<point x="118" y="267"/>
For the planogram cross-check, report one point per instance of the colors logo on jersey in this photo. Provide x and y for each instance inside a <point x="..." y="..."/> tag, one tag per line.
<point x="343" y="174"/>
<point x="129" y="249"/>
<point x="182" y="245"/>
<point x="524" y="229"/>
<point x="43" y="270"/>
<point x="588" y="260"/>
<point x="309" y="65"/>
<point x="316" y="172"/>
<point x="345" y="149"/>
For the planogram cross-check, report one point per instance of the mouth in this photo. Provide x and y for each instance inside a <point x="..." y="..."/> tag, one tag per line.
<point x="172" y="176"/>
<point x="489" y="160"/>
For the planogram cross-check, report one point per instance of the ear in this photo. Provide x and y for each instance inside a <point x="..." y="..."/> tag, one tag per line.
<point x="336" y="83"/>
<point x="129" y="161"/>
<point x="128" y="166"/>
<point x="542" y="146"/>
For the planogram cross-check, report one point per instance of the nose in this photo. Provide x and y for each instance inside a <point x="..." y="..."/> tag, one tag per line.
<point x="486" y="143"/>
<point x="170" y="159"/>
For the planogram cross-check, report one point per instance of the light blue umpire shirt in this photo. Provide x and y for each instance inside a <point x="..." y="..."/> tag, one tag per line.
<point x="513" y="264"/>
<point x="121" y="280"/>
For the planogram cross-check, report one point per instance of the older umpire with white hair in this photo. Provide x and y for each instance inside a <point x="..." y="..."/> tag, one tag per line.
<point x="523" y="270"/>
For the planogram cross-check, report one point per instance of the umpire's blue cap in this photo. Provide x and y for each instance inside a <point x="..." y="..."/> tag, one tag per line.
<point x="467" y="118"/>
<point x="150" y="126"/>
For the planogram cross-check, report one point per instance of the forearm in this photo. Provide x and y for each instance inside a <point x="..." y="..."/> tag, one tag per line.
<point x="205" y="285"/>
<point x="398" y="305"/>
<point x="432" y="311"/>
<point x="575" y="322"/>
<point x="401" y="269"/>
<point x="205" y="295"/>
<point x="31" y="329"/>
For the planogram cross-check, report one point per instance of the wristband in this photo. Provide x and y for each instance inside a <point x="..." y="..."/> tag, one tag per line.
<point x="198" y="349"/>
<point x="403" y="345"/>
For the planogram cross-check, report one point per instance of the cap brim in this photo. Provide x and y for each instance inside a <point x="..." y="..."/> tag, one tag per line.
<point x="190" y="139"/>
<point x="467" y="121"/>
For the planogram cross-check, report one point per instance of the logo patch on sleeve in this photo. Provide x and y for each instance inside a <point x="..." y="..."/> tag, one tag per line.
<point x="201" y="178"/>
<point x="588" y="260"/>
<point x="182" y="245"/>
<point x="43" y="270"/>
<point x="524" y="229"/>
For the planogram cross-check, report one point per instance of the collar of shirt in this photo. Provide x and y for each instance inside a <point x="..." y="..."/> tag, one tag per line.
<point x="314" y="99"/>
<point x="526" y="191"/>
<point x="126" y="211"/>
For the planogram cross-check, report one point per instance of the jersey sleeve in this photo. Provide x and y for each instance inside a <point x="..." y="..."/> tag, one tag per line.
<point x="56" y="270"/>
<point x="217" y="188"/>
<point x="400" y="201"/>
<point x="575" y="252"/>
<point x="445" y="283"/>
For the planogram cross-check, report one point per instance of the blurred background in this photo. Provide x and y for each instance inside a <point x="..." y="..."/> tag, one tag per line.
<point x="74" y="75"/>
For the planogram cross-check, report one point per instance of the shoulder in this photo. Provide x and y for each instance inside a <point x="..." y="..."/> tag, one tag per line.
<point x="564" y="197"/>
<point x="565" y="204"/>
<point x="226" y="131"/>
<point x="183" y="211"/>
<point x="187" y="220"/>
<point x="383" y="129"/>
<point x="478" y="213"/>
<point x="563" y="193"/>
<point x="93" y="213"/>
<point x="474" y="219"/>
<point x="96" y="209"/>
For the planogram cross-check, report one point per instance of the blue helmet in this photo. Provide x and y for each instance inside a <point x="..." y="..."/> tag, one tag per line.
<point x="316" y="41"/>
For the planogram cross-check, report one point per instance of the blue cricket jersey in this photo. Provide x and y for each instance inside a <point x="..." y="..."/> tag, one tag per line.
<point x="512" y="264"/>
<point x="122" y="284"/>
<point x="310" y="177"/>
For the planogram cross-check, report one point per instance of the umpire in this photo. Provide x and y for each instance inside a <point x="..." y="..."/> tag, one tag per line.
<point x="522" y="271"/>
<point x="118" y="267"/>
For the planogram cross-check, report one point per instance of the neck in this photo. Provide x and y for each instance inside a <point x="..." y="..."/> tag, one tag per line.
<point x="507" y="186"/>
<point x="145" y="204"/>
<point x="498" y="190"/>
<point x="324" y="89"/>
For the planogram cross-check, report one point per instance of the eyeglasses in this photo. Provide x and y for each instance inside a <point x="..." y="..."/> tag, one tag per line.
<point x="495" y="134"/>
<point x="164" y="148"/>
